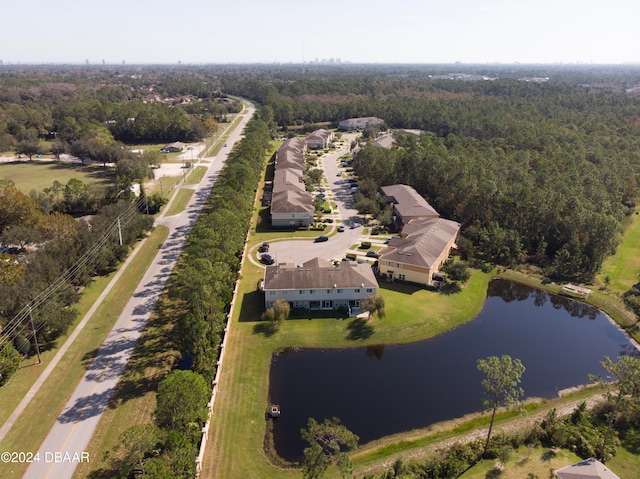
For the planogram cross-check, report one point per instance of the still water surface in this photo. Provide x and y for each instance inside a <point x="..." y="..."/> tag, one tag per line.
<point x="382" y="390"/>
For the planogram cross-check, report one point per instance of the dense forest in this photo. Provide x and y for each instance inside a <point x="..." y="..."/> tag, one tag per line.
<point x="535" y="171"/>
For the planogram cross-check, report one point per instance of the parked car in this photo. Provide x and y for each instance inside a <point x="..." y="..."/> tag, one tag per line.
<point x="264" y="247"/>
<point x="267" y="259"/>
<point x="341" y="229"/>
<point x="355" y="225"/>
<point x="321" y="239"/>
<point x="372" y="254"/>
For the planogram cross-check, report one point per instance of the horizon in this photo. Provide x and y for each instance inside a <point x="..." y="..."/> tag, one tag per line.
<point x="541" y="32"/>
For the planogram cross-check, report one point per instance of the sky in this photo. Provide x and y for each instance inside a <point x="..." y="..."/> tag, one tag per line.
<point x="300" y="31"/>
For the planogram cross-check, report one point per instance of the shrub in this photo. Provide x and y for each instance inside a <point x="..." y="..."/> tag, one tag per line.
<point x="9" y="363"/>
<point x="365" y="245"/>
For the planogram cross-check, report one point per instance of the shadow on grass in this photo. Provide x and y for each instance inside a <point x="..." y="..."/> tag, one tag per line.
<point x="153" y="356"/>
<point x="251" y="307"/>
<point x="406" y="288"/>
<point x="359" y="330"/>
<point x="548" y="455"/>
<point x="450" y="288"/>
<point x="631" y="440"/>
<point x="266" y="328"/>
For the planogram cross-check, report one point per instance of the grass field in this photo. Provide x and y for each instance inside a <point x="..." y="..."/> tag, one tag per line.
<point x="179" y="203"/>
<point x="27" y="434"/>
<point x="523" y="463"/>
<point x="38" y="175"/>
<point x="623" y="267"/>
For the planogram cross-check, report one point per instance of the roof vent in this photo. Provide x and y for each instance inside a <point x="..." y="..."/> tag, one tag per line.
<point x="335" y="285"/>
<point x="408" y="254"/>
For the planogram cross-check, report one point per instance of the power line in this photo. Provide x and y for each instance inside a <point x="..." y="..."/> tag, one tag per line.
<point x="20" y="322"/>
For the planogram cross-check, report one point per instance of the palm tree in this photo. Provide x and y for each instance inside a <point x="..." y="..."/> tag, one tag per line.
<point x="372" y="304"/>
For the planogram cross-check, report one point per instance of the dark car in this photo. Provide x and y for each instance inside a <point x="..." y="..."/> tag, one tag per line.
<point x="264" y="247"/>
<point x="321" y="239"/>
<point x="267" y="259"/>
<point x="341" y="229"/>
<point x="372" y="254"/>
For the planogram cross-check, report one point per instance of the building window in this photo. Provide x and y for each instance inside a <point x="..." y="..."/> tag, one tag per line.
<point x="272" y="293"/>
<point x="328" y="291"/>
<point x="401" y="277"/>
<point x="311" y="291"/>
<point x="339" y="291"/>
<point x="356" y="290"/>
<point x="369" y="290"/>
<point x="302" y="291"/>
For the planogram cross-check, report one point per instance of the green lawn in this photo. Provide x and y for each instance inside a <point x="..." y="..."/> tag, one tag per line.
<point x="38" y="175"/>
<point x="196" y="175"/>
<point x="623" y="268"/>
<point x="539" y="462"/>
<point x="27" y="434"/>
<point x="179" y="203"/>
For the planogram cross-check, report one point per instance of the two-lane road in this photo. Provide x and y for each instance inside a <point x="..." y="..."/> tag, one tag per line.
<point x="66" y="443"/>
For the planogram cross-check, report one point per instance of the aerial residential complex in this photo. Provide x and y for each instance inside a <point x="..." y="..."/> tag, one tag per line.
<point x="291" y="204"/>
<point x="425" y="242"/>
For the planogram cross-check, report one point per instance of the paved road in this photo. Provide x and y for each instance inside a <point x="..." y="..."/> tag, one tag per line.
<point x="300" y="251"/>
<point x="65" y="445"/>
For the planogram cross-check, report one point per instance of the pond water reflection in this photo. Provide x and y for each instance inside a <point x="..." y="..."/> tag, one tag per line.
<point x="382" y="390"/>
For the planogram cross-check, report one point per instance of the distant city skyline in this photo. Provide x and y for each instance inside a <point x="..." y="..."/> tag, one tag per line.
<point x="288" y="31"/>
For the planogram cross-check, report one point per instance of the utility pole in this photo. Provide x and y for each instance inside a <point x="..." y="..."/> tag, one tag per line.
<point x="119" y="231"/>
<point x="33" y="329"/>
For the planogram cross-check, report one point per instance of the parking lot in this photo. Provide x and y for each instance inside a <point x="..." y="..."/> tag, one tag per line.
<point x="338" y="192"/>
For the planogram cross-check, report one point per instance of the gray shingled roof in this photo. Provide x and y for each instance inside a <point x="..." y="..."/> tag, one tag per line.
<point x="319" y="274"/>
<point x="288" y="179"/>
<point x="427" y="240"/>
<point x="408" y="201"/>
<point x="320" y="134"/>
<point x="291" y="201"/>
<point x="588" y="469"/>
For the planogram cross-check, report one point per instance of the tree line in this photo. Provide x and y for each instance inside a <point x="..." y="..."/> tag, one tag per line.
<point x="200" y="292"/>
<point x="92" y="115"/>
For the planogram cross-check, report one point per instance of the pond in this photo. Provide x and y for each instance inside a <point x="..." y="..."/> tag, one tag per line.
<point x="381" y="390"/>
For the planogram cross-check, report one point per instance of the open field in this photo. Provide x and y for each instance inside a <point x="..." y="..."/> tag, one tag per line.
<point x="623" y="268"/>
<point x="37" y="175"/>
<point x="27" y="434"/>
<point x="525" y="461"/>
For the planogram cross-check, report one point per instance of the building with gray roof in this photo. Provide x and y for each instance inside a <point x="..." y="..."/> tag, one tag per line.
<point x="319" y="284"/>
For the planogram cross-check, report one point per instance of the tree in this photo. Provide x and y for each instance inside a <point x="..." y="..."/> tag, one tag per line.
<point x="456" y="271"/>
<point x="500" y="384"/>
<point x="281" y="309"/>
<point x="623" y="394"/>
<point x="327" y="445"/>
<point x="372" y="304"/>
<point x="29" y="145"/>
<point x="17" y="208"/>
<point x="135" y="446"/>
<point x="9" y="363"/>
<point x="182" y="402"/>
